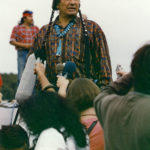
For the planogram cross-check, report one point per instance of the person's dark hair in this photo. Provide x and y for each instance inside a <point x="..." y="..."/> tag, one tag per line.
<point x="49" y="110"/>
<point x="55" y="3"/>
<point x="140" y="68"/>
<point x="13" y="137"/>
<point x="23" y="18"/>
<point x="81" y="93"/>
<point x="21" y="21"/>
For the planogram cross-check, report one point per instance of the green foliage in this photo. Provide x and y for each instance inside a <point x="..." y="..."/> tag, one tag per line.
<point x="9" y="86"/>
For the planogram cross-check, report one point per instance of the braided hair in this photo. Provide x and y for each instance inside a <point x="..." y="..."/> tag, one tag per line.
<point x="42" y="52"/>
<point x="49" y="27"/>
<point x="54" y="8"/>
<point x="87" y="50"/>
<point x="87" y="44"/>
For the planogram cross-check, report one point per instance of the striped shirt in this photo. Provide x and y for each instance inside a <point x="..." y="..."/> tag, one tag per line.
<point x="73" y="50"/>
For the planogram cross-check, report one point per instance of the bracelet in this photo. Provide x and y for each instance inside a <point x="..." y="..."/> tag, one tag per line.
<point x="48" y="87"/>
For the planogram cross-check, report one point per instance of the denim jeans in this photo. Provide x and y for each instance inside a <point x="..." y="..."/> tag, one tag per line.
<point x="21" y="59"/>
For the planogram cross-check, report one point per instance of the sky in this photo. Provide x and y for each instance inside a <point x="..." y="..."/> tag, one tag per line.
<point x="126" y="24"/>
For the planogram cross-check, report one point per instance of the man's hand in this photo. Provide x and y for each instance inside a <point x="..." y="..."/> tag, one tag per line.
<point x="121" y="73"/>
<point x="123" y="84"/>
<point x="62" y="83"/>
<point x="20" y="45"/>
<point x="27" y="46"/>
<point x="40" y="71"/>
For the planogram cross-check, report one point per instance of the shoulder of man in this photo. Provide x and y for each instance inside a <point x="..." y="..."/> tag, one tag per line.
<point x="104" y="101"/>
<point x="17" y="27"/>
<point x="92" y="23"/>
<point x="93" y="27"/>
<point x="106" y="96"/>
<point x="42" y="31"/>
<point x="44" y="28"/>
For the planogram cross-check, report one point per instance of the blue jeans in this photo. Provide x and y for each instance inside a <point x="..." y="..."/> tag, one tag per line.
<point x="21" y="59"/>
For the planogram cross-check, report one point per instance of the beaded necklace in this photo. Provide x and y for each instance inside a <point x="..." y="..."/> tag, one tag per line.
<point x="61" y="35"/>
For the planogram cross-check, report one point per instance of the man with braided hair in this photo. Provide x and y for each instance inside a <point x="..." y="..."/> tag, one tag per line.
<point x="71" y="38"/>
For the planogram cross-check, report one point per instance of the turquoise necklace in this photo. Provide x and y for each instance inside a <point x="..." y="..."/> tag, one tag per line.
<point x="61" y="35"/>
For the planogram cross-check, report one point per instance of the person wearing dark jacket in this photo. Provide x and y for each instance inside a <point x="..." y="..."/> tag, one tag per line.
<point x="125" y="116"/>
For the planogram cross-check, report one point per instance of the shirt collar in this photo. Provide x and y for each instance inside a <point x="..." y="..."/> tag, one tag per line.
<point x="25" y="27"/>
<point x="56" y="22"/>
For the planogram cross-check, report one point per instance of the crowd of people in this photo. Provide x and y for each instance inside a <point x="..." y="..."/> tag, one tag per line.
<point x="78" y="106"/>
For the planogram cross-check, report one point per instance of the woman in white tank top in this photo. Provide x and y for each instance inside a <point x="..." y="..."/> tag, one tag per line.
<point x="53" y="122"/>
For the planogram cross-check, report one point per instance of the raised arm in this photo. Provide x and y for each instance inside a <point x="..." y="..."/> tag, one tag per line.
<point x="40" y="71"/>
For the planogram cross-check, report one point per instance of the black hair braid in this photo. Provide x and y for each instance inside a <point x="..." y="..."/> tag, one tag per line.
<point x="87" y="50"/>
<point x="85" y="33"/>
<point x="48" y="30"/>
<point x="42" y="52"/>
<point x="49" y="26"/>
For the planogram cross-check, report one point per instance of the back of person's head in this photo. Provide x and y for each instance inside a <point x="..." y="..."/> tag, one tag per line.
<point x="81" y="93"/>
<point x="49" y="110"/>
<point x="13" y="138"/>
<point x="140" y="68"/>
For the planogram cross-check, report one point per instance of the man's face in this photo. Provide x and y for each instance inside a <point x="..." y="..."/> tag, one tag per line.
<point x="29" y="20"/>
<point x="69" y="7"/>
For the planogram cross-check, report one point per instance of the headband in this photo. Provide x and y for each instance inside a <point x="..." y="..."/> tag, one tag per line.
<point x="27" y="14"/>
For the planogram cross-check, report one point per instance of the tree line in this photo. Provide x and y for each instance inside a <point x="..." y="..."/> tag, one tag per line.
<point x="9" y="86"/>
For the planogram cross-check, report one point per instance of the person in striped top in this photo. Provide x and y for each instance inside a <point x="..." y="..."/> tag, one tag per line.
<point x="71" y="38"/>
